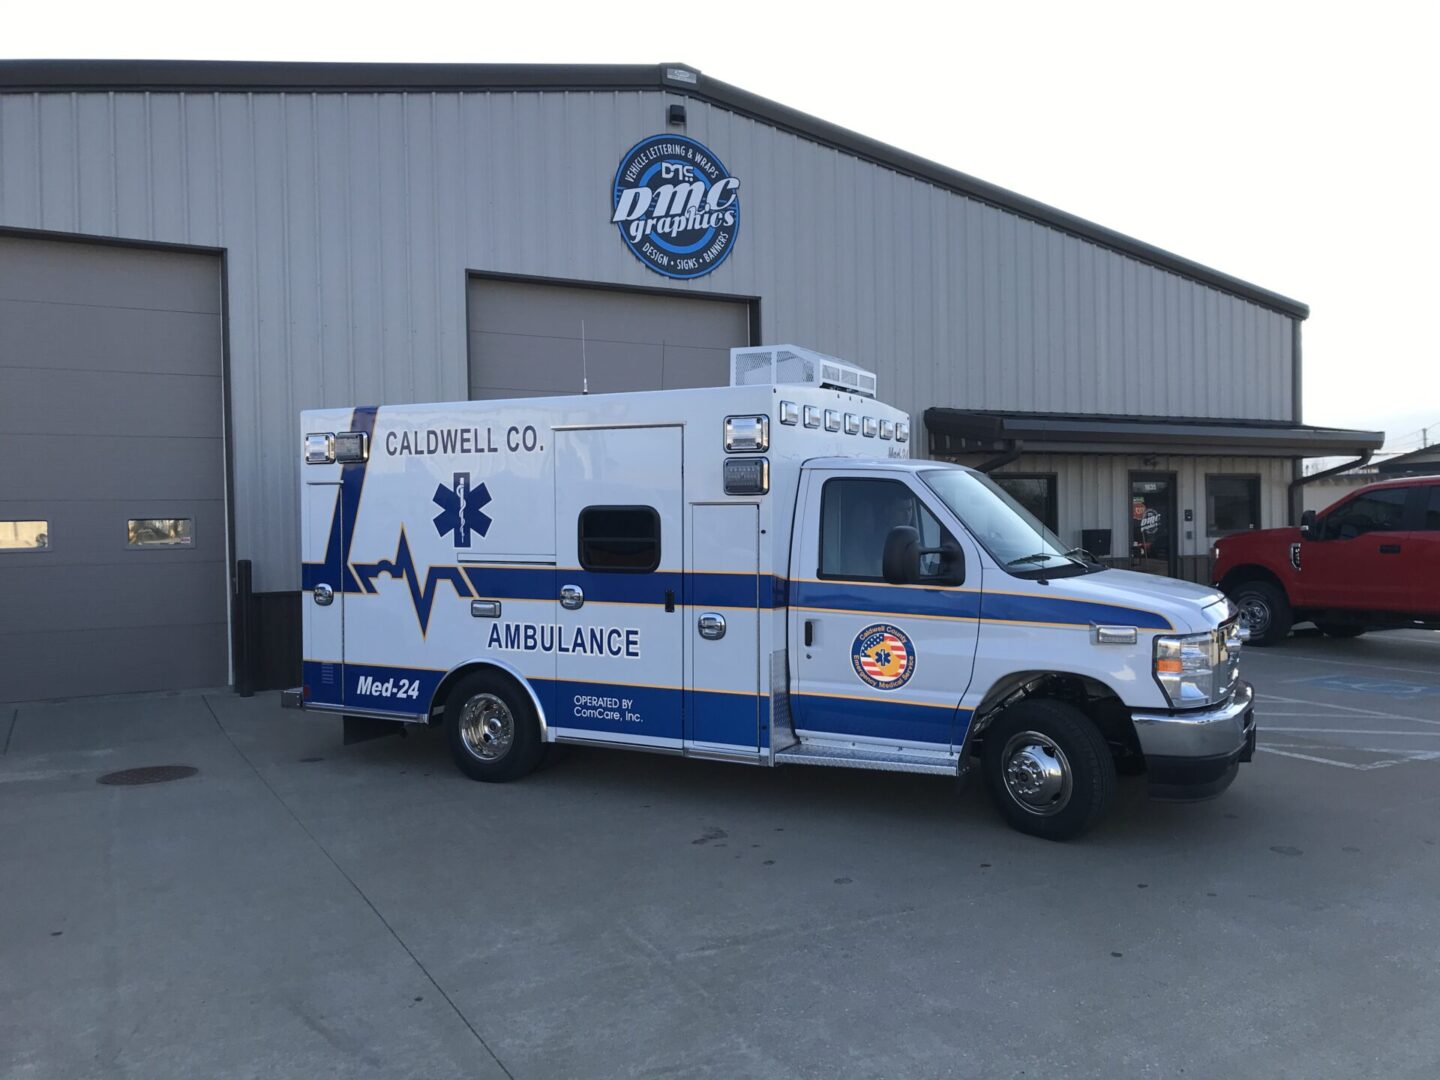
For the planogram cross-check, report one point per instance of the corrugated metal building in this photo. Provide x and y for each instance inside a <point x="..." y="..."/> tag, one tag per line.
<point x="190" y="253"/>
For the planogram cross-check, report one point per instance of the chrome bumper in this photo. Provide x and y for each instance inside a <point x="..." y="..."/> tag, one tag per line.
<point x="1207" y="733"/>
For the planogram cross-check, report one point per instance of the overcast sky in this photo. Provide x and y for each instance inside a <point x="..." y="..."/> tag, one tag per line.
<point x="1296" y="145"/>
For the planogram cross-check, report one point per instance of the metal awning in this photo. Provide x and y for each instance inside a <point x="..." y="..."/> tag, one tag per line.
<point x="965" y="431"/>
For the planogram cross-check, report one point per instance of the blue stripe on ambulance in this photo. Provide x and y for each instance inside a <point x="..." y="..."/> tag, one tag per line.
<point x="905" y="722"/>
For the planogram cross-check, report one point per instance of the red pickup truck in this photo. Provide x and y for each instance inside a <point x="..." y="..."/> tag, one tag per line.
<point x="1369" y="562"/>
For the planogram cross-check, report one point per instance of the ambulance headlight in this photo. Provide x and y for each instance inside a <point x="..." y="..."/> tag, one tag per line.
<point x="1186" y="667"/>
<point x="789" y="413"/>
<point x="869" y="426"/>
<point x="852" y="424"/>
<point x="319" y="448"/>
<point x="746" y="434"/>
<point x="812" y="416"/>
<point x="832" y="420"/>
<point x="887" y="429"/>
<point x="902" y="431"/>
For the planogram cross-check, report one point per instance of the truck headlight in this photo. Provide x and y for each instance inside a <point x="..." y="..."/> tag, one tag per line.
<point x="1188" y="668"/>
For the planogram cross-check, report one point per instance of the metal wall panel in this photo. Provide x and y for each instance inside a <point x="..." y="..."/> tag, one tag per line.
<point x="350" y="221"/>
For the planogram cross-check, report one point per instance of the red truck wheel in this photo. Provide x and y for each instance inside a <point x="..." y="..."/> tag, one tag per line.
<point x="1265" y="610"/>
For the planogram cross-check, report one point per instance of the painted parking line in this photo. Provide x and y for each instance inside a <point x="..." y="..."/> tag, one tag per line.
<point x="1377" y="714"/>
<point x="1348" y="730"/>
<point x="1332" y="662"/>
<point x="1407" y="757"/>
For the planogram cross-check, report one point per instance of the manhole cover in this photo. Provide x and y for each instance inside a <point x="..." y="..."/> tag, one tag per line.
<point x="148" y="774"/>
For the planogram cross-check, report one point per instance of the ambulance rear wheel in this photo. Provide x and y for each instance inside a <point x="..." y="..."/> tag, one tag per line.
<point x="1049" y="769"/>
<point x="492" y="727"/>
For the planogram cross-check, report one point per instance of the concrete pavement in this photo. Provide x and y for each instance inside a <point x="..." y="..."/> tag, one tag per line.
<point x="301" y="908"/>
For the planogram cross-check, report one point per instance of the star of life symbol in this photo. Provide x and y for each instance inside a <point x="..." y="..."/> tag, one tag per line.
<point x="461" y="510"/>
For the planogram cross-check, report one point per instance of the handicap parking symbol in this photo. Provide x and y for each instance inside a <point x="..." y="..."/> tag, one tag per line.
<point x="1360" y="684"/>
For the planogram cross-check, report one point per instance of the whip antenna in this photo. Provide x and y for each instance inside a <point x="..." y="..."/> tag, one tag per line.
<point x="584" y="365"/>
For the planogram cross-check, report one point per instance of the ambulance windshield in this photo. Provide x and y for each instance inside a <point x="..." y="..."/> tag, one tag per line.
<point x="1013" y="535"/>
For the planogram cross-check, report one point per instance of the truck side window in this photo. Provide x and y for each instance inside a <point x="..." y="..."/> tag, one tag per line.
<point x="1382" y="510"/>
<point x="855" y="517"/>
<point x="1430" y="511"/>
<point x="619" y="539"/>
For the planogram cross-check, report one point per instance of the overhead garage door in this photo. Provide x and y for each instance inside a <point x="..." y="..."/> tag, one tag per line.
<point x="525" y="339"/>
<point x="112" y="479"/>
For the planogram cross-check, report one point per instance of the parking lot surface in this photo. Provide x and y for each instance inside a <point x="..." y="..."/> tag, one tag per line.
<point x="301" y="908"/>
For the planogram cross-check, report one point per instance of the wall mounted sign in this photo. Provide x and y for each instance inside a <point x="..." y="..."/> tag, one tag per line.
<point x="676" y="205"/>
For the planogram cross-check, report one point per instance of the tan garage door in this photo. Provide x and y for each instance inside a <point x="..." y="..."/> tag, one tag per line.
<point x="525" y="339"/>
<point x="112" y="477"/>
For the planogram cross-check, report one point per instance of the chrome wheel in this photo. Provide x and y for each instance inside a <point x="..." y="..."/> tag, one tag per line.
<point x="1255" y="614"/>
<point x="1037" y="773"/>
<point x="487" y="727"/>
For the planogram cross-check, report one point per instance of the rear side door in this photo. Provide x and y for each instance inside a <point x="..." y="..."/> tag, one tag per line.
<point x="875" y="662"/>
<point x="722" y="591"/>
<point x="1421" y="552"/>
<point x="322" y="524"/>
<point x="619" y="639"/>
<point x="1357" y="559"/>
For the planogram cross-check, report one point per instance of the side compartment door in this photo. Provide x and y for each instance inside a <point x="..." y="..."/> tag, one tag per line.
<point x="619" y="548"/>
<point x="876" y="662"/>
<point x="323" y="622"/>
<point x="723" y="609"/>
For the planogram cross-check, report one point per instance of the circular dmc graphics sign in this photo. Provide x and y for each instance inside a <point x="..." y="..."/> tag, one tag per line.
<point x="676" y="206"/>
<point x="883" y="656"/>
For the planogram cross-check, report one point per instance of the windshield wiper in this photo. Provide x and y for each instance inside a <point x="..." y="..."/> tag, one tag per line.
<point x="1082" y="554"/>
<point x="1039" y="556"/>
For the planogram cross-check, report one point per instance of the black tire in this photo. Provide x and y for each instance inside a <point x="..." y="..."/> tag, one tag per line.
<point x="1265" y="609"/>
<point x="1041" y="745"/>
<point x="492" y="728"/>
<point x="1340" y="630"/>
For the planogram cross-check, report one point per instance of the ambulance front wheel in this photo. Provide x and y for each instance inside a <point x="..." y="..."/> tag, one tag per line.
<point x="492" y="727"/>
<point x="1048" y="768"/>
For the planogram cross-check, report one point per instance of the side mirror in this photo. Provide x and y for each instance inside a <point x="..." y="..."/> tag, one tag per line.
<point x="901" y="562"/>
<point x="1307" y="524"/>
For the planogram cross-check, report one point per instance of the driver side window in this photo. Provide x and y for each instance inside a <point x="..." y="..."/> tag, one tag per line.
<point x="857" y="514"/>
<point x="1374" y="511"/>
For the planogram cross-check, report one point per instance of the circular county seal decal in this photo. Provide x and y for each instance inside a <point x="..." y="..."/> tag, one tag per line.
<point x="676" y="206"/>
<point x="883" y="656"/>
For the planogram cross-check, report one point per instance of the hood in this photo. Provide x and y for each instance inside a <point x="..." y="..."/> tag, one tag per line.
<point x="1258" y="538"/>
<point x="1188" y="607"/>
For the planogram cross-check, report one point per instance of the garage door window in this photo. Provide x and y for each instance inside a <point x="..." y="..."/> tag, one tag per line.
<point x="24" y="535"/>
<point x="160" y="532"/>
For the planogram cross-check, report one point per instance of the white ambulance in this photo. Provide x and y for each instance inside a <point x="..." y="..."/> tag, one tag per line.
<point x="756" y="573"/>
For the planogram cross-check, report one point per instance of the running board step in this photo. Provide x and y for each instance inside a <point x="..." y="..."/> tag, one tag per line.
<point x="859" y="757"/>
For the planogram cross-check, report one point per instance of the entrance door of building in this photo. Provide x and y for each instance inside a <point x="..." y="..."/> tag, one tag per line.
<point x="1152" y="522"/>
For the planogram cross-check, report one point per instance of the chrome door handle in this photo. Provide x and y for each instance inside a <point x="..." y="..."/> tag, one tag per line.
<point x="324" y="595"/>
<point x="712" y="626"/>
<point x="572" y="597"/>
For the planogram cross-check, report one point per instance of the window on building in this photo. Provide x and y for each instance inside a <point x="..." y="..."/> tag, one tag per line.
<point x="619" y="539"/>
<point x="1232" y="504"/>
<point x="1382" y="510"/>
<point x="1036" y="492"/>
<point x="855" y="518"/>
